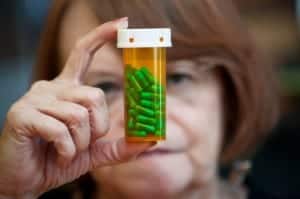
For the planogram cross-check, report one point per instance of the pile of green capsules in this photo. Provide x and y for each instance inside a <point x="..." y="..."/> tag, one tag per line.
<point x="145" y="103"/>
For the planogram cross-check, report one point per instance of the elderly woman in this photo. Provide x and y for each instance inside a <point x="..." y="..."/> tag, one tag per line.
<point x="220" y="104"/>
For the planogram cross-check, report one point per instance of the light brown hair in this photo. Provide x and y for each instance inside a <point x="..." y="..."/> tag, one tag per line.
<point x="207" y="28"/>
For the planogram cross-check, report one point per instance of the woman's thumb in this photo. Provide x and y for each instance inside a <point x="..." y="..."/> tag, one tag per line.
<point x="104" y="153"/>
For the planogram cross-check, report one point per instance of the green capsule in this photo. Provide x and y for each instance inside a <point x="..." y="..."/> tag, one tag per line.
<point x="159" y="105"/>
<point x="145" y="111"/>
<point x="145" y="120"/>
<point x="132" y="112"/>
<point x="138" y="133"/>
<point x="147" y="103"/>
<point x="160" y="124"/>
<point x="160" y="114"/>
<point x="133" y="82"/>
<point x="156" y="88"/>
<point x="159" y="97"/>
<point x="159" y="133"/>
<point x="152" y="96"/>
<point x="133" y="93"/>
<point x="147" y="74"/>
<point x="141" y="79"/>
<point x="129" y="71"/>
<point x="145" y="127"/>
<point x="147" y="95"/>
<point x="131" y="101"/>
<point x="131" y="123"/>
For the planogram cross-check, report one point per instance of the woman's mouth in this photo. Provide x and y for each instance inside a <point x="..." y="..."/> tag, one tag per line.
<point x="154" y="152"/>
<point x="158" y="152"/>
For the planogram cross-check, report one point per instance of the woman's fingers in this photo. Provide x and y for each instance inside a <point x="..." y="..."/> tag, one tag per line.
<point x="81" y="57"/>
<point x="96" y="119"/>
<point x="37" y="124"/>
<point x="75" y="117"/>
<point x="94" y="101"/>
<point x="111" y="152"/>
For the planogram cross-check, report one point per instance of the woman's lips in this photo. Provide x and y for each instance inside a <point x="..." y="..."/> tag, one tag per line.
<point x="154" y="152"/>
<point x="159" y="152"/>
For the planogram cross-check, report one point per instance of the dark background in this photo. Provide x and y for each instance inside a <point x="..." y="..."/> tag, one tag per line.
<point x="21" y="23"/>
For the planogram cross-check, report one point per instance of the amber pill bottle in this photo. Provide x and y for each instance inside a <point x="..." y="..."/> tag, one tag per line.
<point x="144" y="58"/>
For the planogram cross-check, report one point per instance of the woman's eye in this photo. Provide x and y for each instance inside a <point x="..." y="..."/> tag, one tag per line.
<point x="178" y="78"/>
<point x="108" y="87"/>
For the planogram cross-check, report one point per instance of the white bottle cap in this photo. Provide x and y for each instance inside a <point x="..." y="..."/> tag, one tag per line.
<point x="144" y="38"/>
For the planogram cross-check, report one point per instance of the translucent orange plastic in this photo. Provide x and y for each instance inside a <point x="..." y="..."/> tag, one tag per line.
<point x="145" y="94"/>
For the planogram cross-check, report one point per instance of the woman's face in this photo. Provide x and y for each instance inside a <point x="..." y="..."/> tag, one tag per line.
<point x="194" y="120"/>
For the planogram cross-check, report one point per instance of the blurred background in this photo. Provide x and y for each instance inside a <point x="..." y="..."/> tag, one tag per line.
<point x="275" y="26"/>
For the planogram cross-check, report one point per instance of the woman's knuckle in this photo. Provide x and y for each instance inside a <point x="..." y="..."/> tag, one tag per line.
<point x="82" y="114"/>
<point x="61" y="131"/>
<point x="78" y="116"/>
<point x="40" y="85"/>
<point x="96" y="96"/>
<point x="74" y="118"/>
<point x="80" y="46"/>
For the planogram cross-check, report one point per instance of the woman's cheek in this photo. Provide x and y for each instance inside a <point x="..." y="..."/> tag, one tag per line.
<point x="185" y="118"/>
<point x="202" y="123"/>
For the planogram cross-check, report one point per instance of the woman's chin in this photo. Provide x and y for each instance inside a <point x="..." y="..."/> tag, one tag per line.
<point x="152" y="175"/>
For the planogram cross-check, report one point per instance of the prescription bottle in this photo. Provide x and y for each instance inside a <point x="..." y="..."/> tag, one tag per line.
<point x="144" y="58"/>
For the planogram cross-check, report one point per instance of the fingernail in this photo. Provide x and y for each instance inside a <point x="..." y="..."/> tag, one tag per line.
<point x="122" y="23"/>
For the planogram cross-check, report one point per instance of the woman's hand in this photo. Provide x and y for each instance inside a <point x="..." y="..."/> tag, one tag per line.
<point x="51" y="135"/>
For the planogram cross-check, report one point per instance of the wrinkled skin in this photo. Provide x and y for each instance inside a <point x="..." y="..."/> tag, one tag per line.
<point x="52" y="135"/>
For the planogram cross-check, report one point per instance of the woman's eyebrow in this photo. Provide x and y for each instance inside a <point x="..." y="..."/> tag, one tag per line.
<point x="181" y="62"/>
<point x="196" y="63"/>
